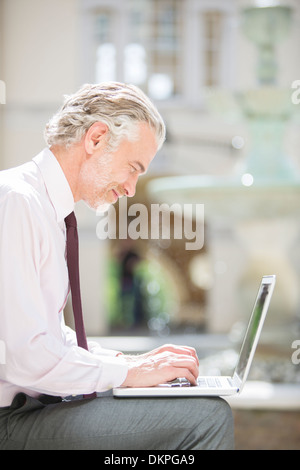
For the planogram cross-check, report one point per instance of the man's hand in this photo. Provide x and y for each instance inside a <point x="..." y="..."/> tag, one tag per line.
<point x="162" y="365"/>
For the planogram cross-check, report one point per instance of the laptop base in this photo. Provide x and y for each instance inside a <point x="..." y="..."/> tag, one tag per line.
<point x="208" y="386"/>
<point x="217" y="386"/>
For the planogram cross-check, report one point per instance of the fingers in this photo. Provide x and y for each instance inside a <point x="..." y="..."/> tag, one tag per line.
<point x="182" y="358"/>
<point x="163" y="364"/>
<point x="161" y="368"/>
<point x="173" y="365"/>
<point x="188" y="350"/>
<point x="184" y="366"/>
<point x="177" y="349"/>
<point x="176" y="367"/>
<point x="186" y="374"/>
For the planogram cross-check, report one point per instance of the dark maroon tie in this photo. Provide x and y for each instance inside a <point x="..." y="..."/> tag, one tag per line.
<point x="73" y="269"/>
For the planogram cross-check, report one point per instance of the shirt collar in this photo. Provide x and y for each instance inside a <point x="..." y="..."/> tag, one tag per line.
<point x="56" y="183"/>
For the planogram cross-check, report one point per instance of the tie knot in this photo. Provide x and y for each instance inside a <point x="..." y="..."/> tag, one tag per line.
<point x="70" y="220"/>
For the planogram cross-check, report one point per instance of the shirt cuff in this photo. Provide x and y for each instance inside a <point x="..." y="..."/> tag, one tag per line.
<point x="114" y="373"/>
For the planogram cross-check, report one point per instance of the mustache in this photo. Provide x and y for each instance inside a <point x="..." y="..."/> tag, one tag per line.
<point x="120" y="192"/>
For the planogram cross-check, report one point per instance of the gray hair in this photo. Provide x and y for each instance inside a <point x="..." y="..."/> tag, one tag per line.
<point x="121" y="107"/>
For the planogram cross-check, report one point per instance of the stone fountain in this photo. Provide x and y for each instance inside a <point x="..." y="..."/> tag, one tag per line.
<point x="251" y="215"/>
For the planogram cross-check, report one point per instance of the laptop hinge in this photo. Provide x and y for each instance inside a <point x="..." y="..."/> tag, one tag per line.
<point x="236" y="381"/>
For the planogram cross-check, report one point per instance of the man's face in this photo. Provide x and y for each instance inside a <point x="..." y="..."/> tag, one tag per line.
<point x="105" y="177"/>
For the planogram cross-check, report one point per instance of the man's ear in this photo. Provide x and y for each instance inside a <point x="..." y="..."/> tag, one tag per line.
<point x="95" y="136"/>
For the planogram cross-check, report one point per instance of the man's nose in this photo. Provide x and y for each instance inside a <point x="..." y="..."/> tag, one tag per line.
<point x="130" y="186"/>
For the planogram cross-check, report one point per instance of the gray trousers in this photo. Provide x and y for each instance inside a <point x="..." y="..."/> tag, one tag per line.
<point x="109" y="423"/>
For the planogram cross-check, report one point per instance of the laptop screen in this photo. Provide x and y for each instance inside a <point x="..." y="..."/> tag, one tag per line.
<point x="254" y="327"/>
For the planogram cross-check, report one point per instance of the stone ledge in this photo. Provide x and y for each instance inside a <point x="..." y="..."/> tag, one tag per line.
<point x="258" y="395"/>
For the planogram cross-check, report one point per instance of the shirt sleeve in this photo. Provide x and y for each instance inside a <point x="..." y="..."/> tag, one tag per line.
<point x="39" y="356"/>
<point x="94" y="346"/>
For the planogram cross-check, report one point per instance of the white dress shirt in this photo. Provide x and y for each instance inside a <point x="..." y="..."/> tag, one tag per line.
<point x="41" y="352"/>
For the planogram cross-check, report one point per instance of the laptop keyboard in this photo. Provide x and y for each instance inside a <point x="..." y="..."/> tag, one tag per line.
<point x="209" y="382"/>
<point x="203" y="382"/>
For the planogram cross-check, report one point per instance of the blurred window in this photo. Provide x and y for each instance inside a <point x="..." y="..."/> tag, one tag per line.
<point x="172" y="49"/>
<point x="212" y="46"/>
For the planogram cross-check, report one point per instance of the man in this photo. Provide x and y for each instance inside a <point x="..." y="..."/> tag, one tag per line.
<point x="99" y="142"/>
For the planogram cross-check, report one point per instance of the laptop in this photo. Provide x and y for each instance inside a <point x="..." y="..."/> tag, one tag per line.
<point x="217" y="385"/>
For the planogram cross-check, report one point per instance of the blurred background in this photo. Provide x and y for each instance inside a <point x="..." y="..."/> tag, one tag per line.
<point x="225" y="76"/>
